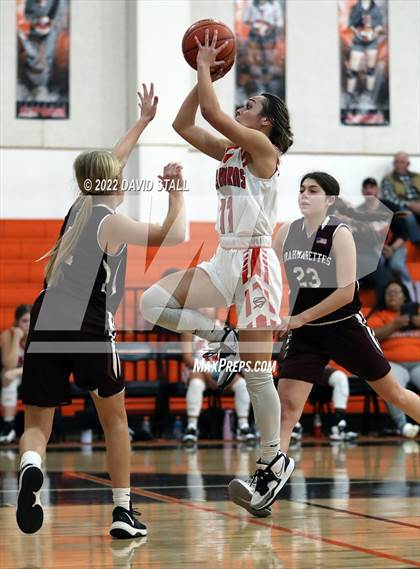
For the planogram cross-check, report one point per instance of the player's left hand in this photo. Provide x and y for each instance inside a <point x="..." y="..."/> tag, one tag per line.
<point x="290" y="323"/>
<point x="172" y="178"/>
<point x="147" y="103"/>
<point x="208" y="52"/>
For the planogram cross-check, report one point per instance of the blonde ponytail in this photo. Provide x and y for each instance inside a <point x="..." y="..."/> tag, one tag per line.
<point x="93" y="166"/>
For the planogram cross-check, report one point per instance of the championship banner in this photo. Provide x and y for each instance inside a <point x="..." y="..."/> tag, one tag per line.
<point x="363" y="28"/>
<point x="43" y="59"/>
<point x="260" y="36"/>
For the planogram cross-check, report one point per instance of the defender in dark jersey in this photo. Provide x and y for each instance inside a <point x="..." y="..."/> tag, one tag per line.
<point x="72" y="320"/>
<point x="319" y="256"/>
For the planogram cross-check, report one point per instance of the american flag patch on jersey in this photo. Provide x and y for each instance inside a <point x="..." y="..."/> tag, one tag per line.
<point x="321" y="240"/>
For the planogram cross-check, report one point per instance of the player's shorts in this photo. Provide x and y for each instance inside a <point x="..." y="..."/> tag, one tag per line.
<point x="262" y="40"/>
<point x="251" y="279"/>
<point x="364" y="46"/>
<point x="51" y="357"/>
<point x="350" y="343"/>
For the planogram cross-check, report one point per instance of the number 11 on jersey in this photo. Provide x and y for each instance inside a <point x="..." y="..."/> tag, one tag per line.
<point x="226" y="209"/>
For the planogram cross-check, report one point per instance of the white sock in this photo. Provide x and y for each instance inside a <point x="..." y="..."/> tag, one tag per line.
<point x="159" y="307"/>
<point x="121" y="497"/>
<point x="340" y="384"/>
<point x="192" y="423"/>
<point x="30" y="457"/>
<point x="266" y="405"/>
<point x="196" y="387"/>
<point x="242" y="401"/>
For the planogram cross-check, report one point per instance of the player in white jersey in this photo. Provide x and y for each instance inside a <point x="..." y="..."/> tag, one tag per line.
<point x="244" y="271"/>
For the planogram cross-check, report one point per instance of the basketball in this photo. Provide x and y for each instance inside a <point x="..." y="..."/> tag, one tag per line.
<point x="189" y="46"/>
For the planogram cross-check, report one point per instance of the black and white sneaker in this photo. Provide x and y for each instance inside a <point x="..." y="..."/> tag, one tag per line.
<point x="228" y="357"/>
<point x="340" y="433"/>
<point x="125" y="525"/>
<point x="245" y="435"/>
<point x="190" y="436"/>
<point x="270" y="479"/>
<point x="241" y="492"/>
<point x="7" y="433"/>
<point x="29" y="513"/>
<point x="296" y="435"/>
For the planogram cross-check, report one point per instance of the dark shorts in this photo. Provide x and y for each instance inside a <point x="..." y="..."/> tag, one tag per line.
<point x="350" y="343"/>
<point x="51" y="357"/>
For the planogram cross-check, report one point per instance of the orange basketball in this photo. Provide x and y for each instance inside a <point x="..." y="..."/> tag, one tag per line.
<point x="189" y="47"/>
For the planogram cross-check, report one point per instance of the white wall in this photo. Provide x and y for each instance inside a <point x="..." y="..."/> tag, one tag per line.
<point x="116" y="44"/>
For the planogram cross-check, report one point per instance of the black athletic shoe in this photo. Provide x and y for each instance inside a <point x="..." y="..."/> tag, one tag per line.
<point x="227" y="353"/>
<point x="29" y="513"/>
<point x="270" y="479"/>
<point x="124" y="524"/>
<point x="190" y="436"/>
<point x="245" y="435"/>
<point x="7" y="433"/>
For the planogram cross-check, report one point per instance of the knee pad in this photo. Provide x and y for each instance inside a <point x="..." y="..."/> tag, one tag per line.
<point x="350" y="74"/>
<point x="340" y="384"/>
<point x="154" y="300"/>
<point x="370" y="71"/>
<point x="9" y="393"/>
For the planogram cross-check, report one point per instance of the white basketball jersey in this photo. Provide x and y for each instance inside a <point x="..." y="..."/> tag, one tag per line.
<point x="267" y="13"/>
<point x="247" y="204"/>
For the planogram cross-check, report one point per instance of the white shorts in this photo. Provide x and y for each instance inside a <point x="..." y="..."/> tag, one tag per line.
<point x="250" y="279"/>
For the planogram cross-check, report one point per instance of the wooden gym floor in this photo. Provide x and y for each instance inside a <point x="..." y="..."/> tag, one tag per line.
<point x="344" y="507"/>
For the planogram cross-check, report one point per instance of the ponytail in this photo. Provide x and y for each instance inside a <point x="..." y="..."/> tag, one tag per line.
<point x="93" y="166"/>
<point x="65" y="244"/>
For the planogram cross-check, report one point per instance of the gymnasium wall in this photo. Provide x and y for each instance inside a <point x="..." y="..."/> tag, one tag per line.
<point x="116" y="44"/>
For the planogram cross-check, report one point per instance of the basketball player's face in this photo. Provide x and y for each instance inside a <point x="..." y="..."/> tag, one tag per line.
<point x="250" y="114"/>
<point x="313" y="200"/>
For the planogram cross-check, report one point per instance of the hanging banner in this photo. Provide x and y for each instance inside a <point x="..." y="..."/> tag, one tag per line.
<point x="43" y="59"/>
<point x="260" y="35"/>
<point x="363" y="28"/>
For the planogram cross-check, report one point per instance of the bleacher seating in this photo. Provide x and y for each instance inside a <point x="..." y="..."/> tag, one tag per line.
<point x="21" y="279"/>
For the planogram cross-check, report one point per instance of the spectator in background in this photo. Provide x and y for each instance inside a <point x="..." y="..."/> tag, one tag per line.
<point x="338" y="382"/>
<point x="12" y="348"/>
<point x="392" y="261"/>
<point x="400" y="191"/>
<point x="193" y="348"/>
<point x="399" y="335"/>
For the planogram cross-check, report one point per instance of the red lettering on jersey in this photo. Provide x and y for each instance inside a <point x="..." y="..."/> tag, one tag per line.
<point x="243" y="179"/>
<point x="229" y="181"/>
<point x="230" y="176"/>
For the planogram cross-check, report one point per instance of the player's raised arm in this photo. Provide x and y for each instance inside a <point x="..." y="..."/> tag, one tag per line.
<point x="148" y="106"/>
<point x="254" y="141"/>
<point x="118" y="229"/>
<point x="185" y="126"/>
